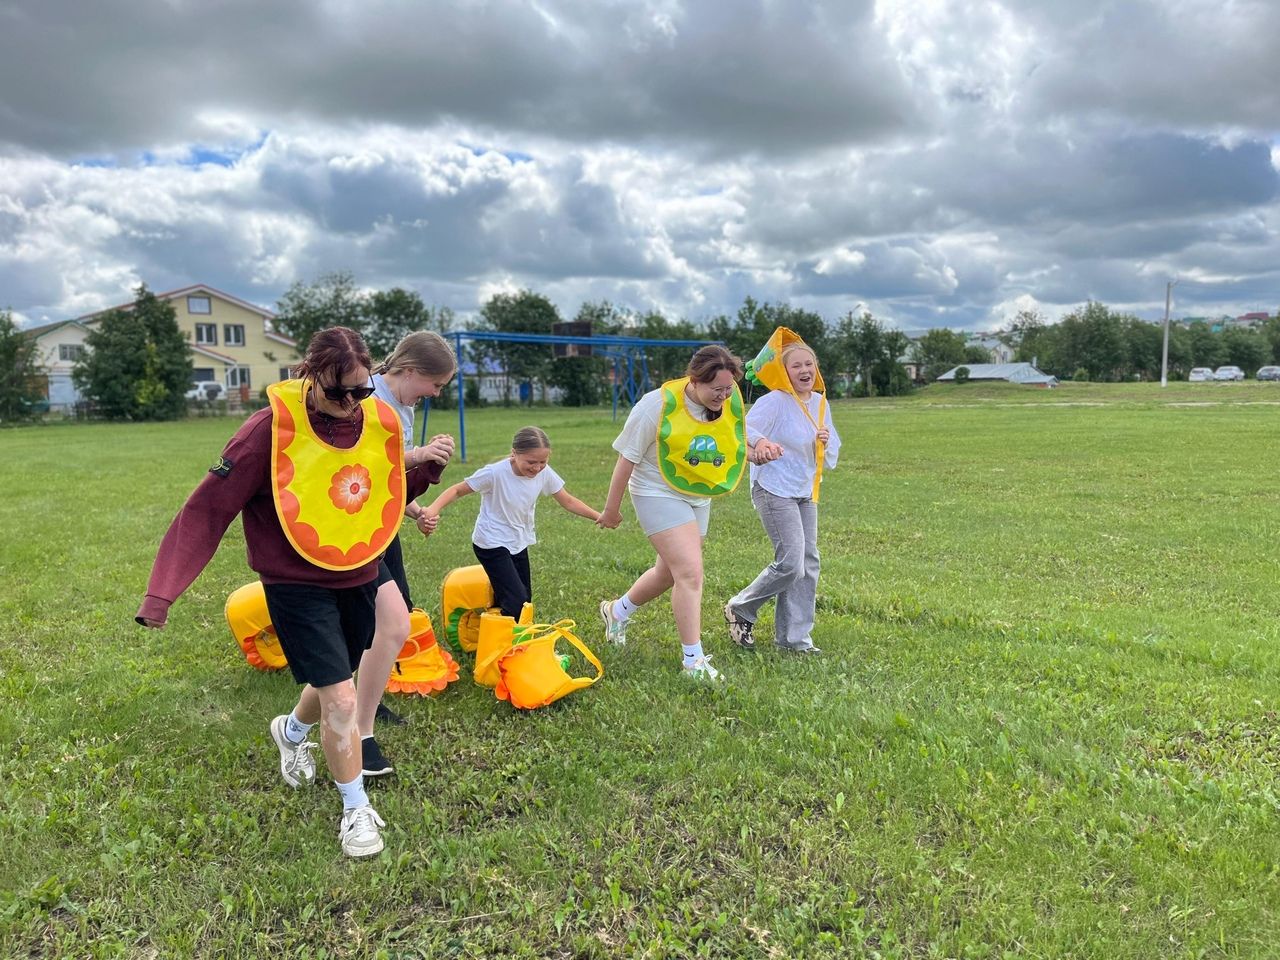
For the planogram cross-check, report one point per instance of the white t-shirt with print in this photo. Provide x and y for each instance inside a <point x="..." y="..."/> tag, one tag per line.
<point x="777" y="416"/>
<point x="507" y="502"/>
<point x="638" y="442"/>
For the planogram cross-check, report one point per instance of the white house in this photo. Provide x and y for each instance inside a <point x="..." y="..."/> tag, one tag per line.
<point x="58" y="347"/>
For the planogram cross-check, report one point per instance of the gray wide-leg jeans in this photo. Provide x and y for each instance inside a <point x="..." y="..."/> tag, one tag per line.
<point x="792" y="525"/>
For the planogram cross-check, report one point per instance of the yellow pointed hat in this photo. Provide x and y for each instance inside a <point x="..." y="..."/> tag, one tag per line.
<point x="767" y="369"/>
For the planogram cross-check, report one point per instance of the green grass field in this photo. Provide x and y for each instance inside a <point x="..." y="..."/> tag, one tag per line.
<point x="1045" y="724"/>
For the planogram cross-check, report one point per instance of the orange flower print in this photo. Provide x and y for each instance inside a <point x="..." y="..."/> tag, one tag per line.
<point x="349" y="488"/>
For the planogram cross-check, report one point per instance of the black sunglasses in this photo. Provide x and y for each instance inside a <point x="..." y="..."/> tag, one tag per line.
<point x="336" y="393"/>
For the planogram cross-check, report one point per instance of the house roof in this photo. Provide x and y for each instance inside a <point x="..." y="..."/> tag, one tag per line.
<point x="48" y="328"/>
<point x="1013" y="372"/>
<point x="183" y="291"/>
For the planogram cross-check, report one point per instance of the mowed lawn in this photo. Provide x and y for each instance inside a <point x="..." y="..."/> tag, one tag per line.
<point x="1045" y="723"/>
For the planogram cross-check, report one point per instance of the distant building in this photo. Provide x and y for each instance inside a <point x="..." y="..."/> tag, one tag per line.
<point x="1023" y="373"/>
<point x="230" y="339"/>
<point x="998" y="350"/>
<point x="58" y="347"/>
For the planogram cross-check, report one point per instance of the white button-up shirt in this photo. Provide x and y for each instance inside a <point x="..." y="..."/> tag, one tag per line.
<point x="777" y="416"/>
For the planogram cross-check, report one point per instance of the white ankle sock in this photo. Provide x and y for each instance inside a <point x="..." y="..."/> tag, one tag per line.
<point x="353" y="794"/>
<point x="295" y="731"/>
<point x="692" y="653"/>
<point x="623" y="608"/>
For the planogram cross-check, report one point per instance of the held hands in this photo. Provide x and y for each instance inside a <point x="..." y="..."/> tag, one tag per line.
<point x="610" y="518"/>
<point x="438" y="450"/>
<point x="427" y="522"/>
<point x="765" y="451"/>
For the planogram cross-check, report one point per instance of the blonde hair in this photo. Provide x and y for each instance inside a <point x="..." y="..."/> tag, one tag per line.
<point x="424" y="351"/>
<point x="792" y="347"/>
<point x="528" y="439"/>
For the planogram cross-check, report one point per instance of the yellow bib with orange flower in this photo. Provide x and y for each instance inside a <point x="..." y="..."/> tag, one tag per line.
<point x="339" y="508"/>
<point x="699" y="457"/>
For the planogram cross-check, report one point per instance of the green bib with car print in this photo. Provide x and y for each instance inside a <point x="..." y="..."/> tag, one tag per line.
<point x="700" y="458"/>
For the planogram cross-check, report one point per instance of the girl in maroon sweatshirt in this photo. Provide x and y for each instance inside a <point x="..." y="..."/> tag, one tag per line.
<point x="320" y="482"/>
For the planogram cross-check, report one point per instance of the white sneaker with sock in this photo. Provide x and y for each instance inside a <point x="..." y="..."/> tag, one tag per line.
<point x="297" y="765"/>
<point x="358" y="831"/>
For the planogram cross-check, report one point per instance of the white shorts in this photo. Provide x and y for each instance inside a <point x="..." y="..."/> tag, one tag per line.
<point x="655" y="514"/>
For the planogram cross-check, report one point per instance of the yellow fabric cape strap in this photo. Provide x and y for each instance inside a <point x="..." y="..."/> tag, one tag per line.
<point x="819" y="448"/>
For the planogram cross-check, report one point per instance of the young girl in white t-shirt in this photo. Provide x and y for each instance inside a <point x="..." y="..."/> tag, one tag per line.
<point x="509" y="490"/>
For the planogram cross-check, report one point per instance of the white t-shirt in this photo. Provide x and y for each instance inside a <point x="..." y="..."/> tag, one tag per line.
<point x="777" y="416"/>
<point x="382" y="390"/>
<point x="638" y="442"/>
<point x="506" y="505"/>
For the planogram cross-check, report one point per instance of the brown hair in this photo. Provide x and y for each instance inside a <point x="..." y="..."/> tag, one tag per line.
<point x="710" y="360"/>
<point x="336" y="351"/>
<point x="528" y="439"/>
<point x="424" y="351"/>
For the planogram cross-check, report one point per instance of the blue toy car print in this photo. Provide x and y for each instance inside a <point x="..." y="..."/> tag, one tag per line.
<point x="702" y="449"/>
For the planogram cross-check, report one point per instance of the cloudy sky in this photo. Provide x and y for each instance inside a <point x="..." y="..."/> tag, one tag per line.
<point x="940" y="162"/>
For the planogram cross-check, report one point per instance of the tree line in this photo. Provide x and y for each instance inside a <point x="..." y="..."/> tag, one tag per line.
<point x="137" y="365"/>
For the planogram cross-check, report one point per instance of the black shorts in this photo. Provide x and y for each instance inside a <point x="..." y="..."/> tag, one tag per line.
<point x="324" y="632"/>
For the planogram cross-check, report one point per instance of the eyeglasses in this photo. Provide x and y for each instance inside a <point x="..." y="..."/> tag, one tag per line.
<point x="338" y="392"/>
<point x="721" y="392"/>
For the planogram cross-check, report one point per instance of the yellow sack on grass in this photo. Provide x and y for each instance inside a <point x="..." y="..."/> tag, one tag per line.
<point x="423" y="667"/>
<point x="465" y="595"/>
<point x="250" y="624"/>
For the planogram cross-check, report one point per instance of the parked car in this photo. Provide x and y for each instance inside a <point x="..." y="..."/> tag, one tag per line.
<point x="1200" y="374"/>
<point x="205" y="390"/>
<point x="1269" y="373"/>
<point x="1228" y="373"/>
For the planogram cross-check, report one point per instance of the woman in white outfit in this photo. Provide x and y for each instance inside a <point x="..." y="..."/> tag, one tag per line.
<point x="785" y="494"/>
<point x="682" y="445"/>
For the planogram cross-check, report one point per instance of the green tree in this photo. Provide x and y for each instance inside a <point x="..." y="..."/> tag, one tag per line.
<point x="938" y="351"/>
<point x="1206" y="347"/>
<point x="137" y="365"/>
<point x="582" y="378"/>
<point x="522" y="312"/>
<point x="19" y="371"/>
<point x="331" y="301"/>
<point x="1246" y="349"/>
<point x="391" y="315"/>
<point x="864" y="345"/>
<point x="1092" y="338"/>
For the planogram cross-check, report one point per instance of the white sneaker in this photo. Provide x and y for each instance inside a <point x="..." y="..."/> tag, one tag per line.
<point x="702" y="671"/>
<point x="358" y="831"/>
<point x="297" y="766"/>
<point x="615" y="630"/>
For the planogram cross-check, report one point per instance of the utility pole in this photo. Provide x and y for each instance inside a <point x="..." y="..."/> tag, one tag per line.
<point x="1164" y="356"/>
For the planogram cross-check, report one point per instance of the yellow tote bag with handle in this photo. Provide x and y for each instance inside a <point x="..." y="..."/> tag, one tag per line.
<point x="531" y="674"/>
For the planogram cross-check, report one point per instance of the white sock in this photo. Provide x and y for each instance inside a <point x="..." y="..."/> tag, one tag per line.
<point x="692" y="653"/>
<point x="353" y="794"/>
<point x="623" y="608"/>
<point x="295" y="731"/>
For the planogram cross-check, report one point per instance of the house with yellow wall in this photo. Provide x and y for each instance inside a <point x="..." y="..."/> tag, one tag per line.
<point x="231" y="340"/>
